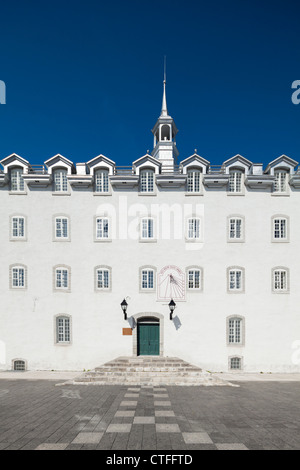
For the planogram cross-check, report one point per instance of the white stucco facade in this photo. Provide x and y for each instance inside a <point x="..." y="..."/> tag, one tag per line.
<point x="216" y="269"/>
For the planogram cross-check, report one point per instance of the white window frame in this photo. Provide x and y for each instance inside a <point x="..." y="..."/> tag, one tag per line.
<point x="106" y="274"/>
<point x="233" y="229"/>
<point x="280" y="231"/>
<point x="17" y="232"/>
<point x="281" y="182"/>
<point x="236" y="181"/>
<point x="147" y="279"/>
<point x="19" y="360"/>
<point x="280" y="280"/>
<point x="192" y="284"/>
<point x="147" y="181"/>
<point x="101" y="181"/>
<point x="193" y="229"/>
<point x="62" y="276"/>
<point x="102" y="229"/>
<point x="235" y="330"/>
<point x="59" y="228"/>
<point x="194" y="181"/>
<point x="17" y="183"/>
<point x="60" y="181"/>
<point x="18" y="277"/>
<point x="235" y="277"/>
<point x="239" y="360"/>
<point x="147" y="229"/>
<point x="63" y="329"/>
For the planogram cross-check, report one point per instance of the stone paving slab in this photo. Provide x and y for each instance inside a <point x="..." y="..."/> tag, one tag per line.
<point x="254" y="416"/>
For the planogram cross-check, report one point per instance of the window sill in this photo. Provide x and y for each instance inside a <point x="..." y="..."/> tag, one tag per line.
<point x="235" y="194"/>
<point x="191" y="193"/>
<point x="102" y="194"/>
<point x="17" y="193"/>
<point x="147" y="193"/>
<point x="61" y="193"/>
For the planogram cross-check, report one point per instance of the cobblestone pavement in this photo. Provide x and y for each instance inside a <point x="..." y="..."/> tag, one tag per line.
<point x="46" y="415"/>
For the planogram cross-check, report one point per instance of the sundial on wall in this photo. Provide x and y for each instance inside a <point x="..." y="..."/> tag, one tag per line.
<point x="170" y="284"/>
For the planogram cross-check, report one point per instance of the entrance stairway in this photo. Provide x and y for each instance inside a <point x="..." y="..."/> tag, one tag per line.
<point x="148" y="370"/>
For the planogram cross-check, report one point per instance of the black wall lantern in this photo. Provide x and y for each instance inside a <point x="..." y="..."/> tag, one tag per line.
<point x="172" y="306"/>
<point x="124" y="305"/>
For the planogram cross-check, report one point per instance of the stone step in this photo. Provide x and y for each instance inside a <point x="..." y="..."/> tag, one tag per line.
<point x="148" y="371"/>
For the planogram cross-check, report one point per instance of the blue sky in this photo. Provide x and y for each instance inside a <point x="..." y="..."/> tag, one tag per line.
<point x="84" y="78"/>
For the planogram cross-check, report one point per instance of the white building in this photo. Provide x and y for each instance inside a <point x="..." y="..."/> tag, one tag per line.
<point x="223" y="243"/>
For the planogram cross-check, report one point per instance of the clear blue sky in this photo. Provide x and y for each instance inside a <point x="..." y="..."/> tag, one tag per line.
<point x="85" y="77"/>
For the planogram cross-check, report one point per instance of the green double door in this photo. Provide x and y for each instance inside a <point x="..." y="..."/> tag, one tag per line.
<point x="148" y="339"/>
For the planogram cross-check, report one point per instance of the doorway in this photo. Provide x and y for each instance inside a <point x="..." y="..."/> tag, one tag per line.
<point x="148" y="337"/>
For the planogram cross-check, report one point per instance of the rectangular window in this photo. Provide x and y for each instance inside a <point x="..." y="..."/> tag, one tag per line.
<point x="235" y="181"/>
<point x="18" y="227"/>
<point x="234" y="330"/>
<point x="235" y="229"/>
<point x="18" y="277"/>
<point x="61" y="227"/>
<point x="280" y="184"/>
<point x="147" y="229"/>
<point x="102" y="228"/>
<point x="235" y="363"/>
<point x="193" y="229"/>
<point x="102" y="279"/>
<point x="147" y="279"/>
<point x="62" y="281"/>
<point x="193" y="181"/>
<point x="194" y="279"/>
<point x="63" y="330"/>
<point x="280" y="228"/>
<point x="280" y="280"/>
<point x="60" y="181"/>
<point x="101" y="181"/>
<point x="235" y="280"/>
<point x="147" y="181"/>
<point x="16" y="180"/>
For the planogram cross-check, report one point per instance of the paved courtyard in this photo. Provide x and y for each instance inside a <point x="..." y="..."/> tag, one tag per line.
<point x="49" y="415"/>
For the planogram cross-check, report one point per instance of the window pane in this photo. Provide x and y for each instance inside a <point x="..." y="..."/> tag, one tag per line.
<point x="60" y="180"/>
<point x="101" y="181"/>
<point x="147" y="228"/>
<point x="147" y="279"/>
<point x="147" y="181"/>
<point x="193" y="181"/>
<point x="102" y="228"/>
<point x="280" y="184"/>
<point x="16" y="181"/>
<point x="235" y="181"/>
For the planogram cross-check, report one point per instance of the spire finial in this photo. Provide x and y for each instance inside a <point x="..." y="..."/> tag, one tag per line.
<point x="164" y="110"/>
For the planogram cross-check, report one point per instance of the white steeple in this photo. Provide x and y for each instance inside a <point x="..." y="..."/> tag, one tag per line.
<point x="164" y="133"/>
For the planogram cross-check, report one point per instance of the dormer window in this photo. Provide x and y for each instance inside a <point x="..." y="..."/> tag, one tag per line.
<point x="280" y="184"/>
<point x="101" y="181"/>
<point x="60" y="180"/>
<point x="147" y="181"/>
<point x="16" y="180"/>
<point x="235" y="181"/>
<point x="193" y="181"/>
